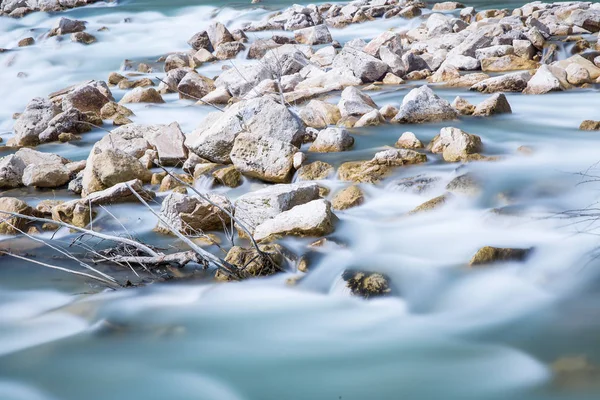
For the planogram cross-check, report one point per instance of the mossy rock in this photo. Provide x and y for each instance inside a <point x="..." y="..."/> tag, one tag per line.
<point x="252" y="264"/>
<point x="367" y="284"/>
<point x="491" y="255"/>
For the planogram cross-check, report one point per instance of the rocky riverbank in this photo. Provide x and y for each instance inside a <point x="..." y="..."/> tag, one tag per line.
<point x="271" y="114"/>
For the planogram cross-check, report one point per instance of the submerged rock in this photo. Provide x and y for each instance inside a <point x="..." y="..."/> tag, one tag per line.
<point x="347" y="198"/>
<point x="491" y="255"/>
<point x="367" y="284"/>
<point x="432" y="204"/>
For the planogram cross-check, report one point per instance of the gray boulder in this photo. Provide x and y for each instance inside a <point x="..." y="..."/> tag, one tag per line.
<point x="33" y="121"/>
<point x="423" y="105"/>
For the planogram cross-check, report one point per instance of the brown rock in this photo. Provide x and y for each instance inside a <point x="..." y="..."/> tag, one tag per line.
<point x="350" y="197"/>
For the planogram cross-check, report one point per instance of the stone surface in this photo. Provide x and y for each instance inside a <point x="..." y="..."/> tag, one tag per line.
<point x="367" y="284"/>
<point x="332" y="140"/>
<point x="142" y="95"/>
<point x="363" y="65"/>
<point x="314" y="171"/>
<point x="455" y="144"/>
<point x="33" y="121"/>
<point x="355" y="103"/>
<point x="423" y="105"/>
<point x="319" y="114"/>
<point x="228" y="176"/>
<point x="11" y="172"/>
<point x="349" y="197"/>
<point x="313" y="35"/>
<point x="12" y="225"/>
<point x="192" y="215"/>
<point x="491" y="255"/>
<point x="512" y="82"/>
<point x="496" y="104"/>
<point x="542" y="82"/>
<point x="408" y="140"/>
<point x="311" y="219"/>
<point x="463" y="106"/>
<point x="194" y="86"/>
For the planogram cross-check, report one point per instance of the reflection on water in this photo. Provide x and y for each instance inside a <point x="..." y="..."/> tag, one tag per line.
<point x="449" y="333"/>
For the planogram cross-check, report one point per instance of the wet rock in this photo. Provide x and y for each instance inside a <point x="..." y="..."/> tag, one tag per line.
<point x="214" y="138"/>
<point x="363" y="65"/>
<point x="11" y="171"/>
<point x="332" y="140"/>
<point x="226" y="51"/>
<point x="115" y="111"/>
<point x="263" y="157"/>
<point x="318" y="114"/>
<point x="316" y="170"/>
<point x="114" y="78"/>
<point x="142" y="95"/>
<point x="175" y="61"/>
<point x="367" y="284"/>
<point x="382" y="164"/>
<point x="577" y="74"/>
<point x="87" y="97"/>
<point x="218" y="34"/>
<point x="228" y="176"/>
<point x="463" y="106"/>
<point x="509" y="62"/>
<point x="11" y="225"/>
<point x="38" y="113"/>
<point x="194" y="86"/>
<point x="432" y="204"/>
<point x="311" y="219"/>
<point x="171" y="182"/>
<point x="192" y="215"/>
<point x="253" y="208"/>
<point x="496" y="104"/>
<point x="464" y="184"/>
<point x="414" y="184"/>
<point x="491" y="255"/>
<point x="408" y="140"/>
<point x="512" y="82"/>
<point x="108" y="167"/>
<point x="252" y="264"/>
<point x="542" y="82"/>
<point x="355" y="103"/>
<point x="65" y="25"/>
<point x="83" y="37"/>
<point x="347" y="198"/>
<point x="583" y="62"/>
<point x="423" y="105"/>
<point x="200" y="40"/>
<point x="313" y="35"/>
<point x="28" y="41"/>
<point x="590" y="125"/>
<point x="455" y="144"/>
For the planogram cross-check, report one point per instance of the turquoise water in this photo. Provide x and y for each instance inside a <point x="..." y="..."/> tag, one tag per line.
<point x="447" y="333"/>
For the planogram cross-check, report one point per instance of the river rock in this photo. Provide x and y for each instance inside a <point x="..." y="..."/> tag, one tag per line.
<point x="455" y="144"/>
<point x="228" y="176"/>
<point x="214" y="138"/>
<point x="491" y="255"/>
<point x="11" y="171"/>
<point x="367" y="284"/>
<point x="349" y="197"/>
<point x="408" y="140"/>
<point x="586" y="19"/>
<point x="11" y="225"/>
<point x="464" y="184"/>
<point x="142" y="95"/>
<point x="512" y="82"/>
<point x="583" y="62"/>
<point x="496" y="104"/>
<point x="318" y="114"/>
<point x="324" y="57"/>
<point x="200" y="40"/>
<point x="251" y="263"/>
<point x="253" y="208"/>
<point x="396" y="64"/>
<point x="364" y="66"/>
<point x="240" y="80"/>
<point x="264" y="157"/>
<point x="494" y="51"/>
<point x="192" y="215"/>
<point x="373" y="118"/>
<point x="388" y="111"/>
<point x="36" y="117"/>
<point x="423" y="105"/>
<point x="83" y="37"/>
<point x="86" y="97"/>
<point x="432" y="204"/>
<point x="46" y="175"/>
<point x="509" y="62"/>
<point x="355" y="103"/>
<point x="380" y="166"/>
<point x="115" y="111"/>
<point x="194" y="86"/>
<point x="107" y="167"/>
<point x="226" y="51"/>
<point x="66" y="25"/>
<point x="577" y="74"/>
<point x="463" y="106"/>
<point x="311" y="219"/>
<point x="313" y="35"/>
<point x="590" y="125"/>
<point x="332" y="140"/>
<point x="218" y="96"/>
<point x="542" y="82"/>
<point x="317" y="170"/>
<point x="71" y="121"/>
<point x="218" y="34"/>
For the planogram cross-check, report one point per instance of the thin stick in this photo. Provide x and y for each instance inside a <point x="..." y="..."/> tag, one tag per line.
<point x="70" y="271"/>
<point x="117" y="239"/>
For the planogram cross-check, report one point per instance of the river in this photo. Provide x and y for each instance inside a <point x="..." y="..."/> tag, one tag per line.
<point x="448" y="332"/>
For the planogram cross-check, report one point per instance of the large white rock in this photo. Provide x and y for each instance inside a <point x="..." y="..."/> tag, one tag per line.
<point x="423" y="105"/>
<point x="311" y="219"/>
<point x="11" y="172"/>
<point x="33" y="121"/>
<point x="542" y="82"/>
<point x="243" y="78"/>
<point x="512" y="82"/>
<point x="455" y="144"/>
<point x="355" y="103"/>
<point x="318" y="114"/>
<point x="313" y="35"/>
<point x="192" y="215"/>
<point x="256" y="207"/>
<point x="363" y="65"/>
<point x="264" y="157"/>
<point x="332" y="140"/>
<point x="215" y="136"/>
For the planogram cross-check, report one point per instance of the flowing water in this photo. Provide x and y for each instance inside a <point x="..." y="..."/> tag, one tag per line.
<point x="447" y="332"/>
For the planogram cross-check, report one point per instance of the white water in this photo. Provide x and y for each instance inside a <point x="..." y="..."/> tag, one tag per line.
<point x="448" y="332"/>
